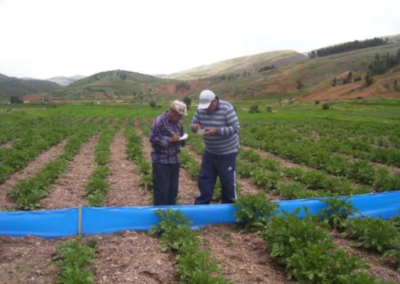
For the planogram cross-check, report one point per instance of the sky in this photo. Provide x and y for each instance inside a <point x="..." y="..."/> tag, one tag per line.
<point x="48" y="38"/>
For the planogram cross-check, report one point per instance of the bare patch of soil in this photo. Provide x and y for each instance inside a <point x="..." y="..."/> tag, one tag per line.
<point x="244" y="257"/>
<point x="50" y="155"/>
<point x="69" y="190"/>
<point x="132" y="257"/>
<point x="381" y="267"/>
<point x="26" y="260"/>
<point x="123" y="179"/>
<point x="188" y="189"/>
<point x="6" y="145"/>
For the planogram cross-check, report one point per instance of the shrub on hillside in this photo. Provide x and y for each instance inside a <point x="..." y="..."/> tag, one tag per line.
<point x="254" y="109"/>
<point x="325" y="106"/>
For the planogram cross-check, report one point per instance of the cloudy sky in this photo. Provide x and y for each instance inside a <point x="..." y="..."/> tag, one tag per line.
<point x="47" y="38"/>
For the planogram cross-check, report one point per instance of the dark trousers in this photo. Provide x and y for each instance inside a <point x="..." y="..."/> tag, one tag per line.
<point x="223" y="166"/>
<point x="165" y="183"/>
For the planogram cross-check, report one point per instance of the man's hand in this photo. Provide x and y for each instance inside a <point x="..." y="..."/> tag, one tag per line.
<point x="174" y="138"/>
<point x="195" y="126"/>
<point x="210" y="132"/>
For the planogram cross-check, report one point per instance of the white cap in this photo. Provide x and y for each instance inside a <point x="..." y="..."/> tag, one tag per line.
<point x="206" y="97"/>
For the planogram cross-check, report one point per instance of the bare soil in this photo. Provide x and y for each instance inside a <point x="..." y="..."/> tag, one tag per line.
<point x="6" y="145"/>
<point x="124" y="177"/>
<point x="132" y="257"/>
<point x="69" y="190"/>
<point x="49" y="155"/>
<point x="244" y="257"/>
<point x="27" y="260"/>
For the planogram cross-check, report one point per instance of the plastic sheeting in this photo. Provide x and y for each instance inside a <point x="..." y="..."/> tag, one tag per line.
<point x="61" y="223"/>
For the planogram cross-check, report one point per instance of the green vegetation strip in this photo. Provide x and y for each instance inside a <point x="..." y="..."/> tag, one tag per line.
<point x="97" y="187"/>
<point x="33" y="142"/>
<point x="73" y="258"/>
<point x="288" y="146"/>
<point x="135" y="153"/>
<point x="27" y="193"/>
<point x="306" y="251"/>
<point x="195" y="266"/>
<point x="371" y="233"/>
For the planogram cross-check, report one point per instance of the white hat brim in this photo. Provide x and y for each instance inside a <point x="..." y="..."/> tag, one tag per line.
<point x="204" y="106"/>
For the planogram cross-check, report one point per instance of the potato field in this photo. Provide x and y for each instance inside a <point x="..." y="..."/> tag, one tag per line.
<point x="64" y="156"/>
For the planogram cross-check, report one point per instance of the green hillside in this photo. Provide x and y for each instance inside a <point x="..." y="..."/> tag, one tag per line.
<point x="10" y="86"/>
<point x="238" y="65"/>
<point x="119" y="85"/>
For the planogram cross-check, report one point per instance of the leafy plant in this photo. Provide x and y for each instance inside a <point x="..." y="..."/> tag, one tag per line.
<point x="337" y="211"/>
<point x="253" y="211"/>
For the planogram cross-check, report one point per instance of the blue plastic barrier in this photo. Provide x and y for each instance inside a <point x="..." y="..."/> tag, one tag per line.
<point x="61" y="223"/>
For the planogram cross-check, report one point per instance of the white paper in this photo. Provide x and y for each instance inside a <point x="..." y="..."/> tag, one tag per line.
<point x="184" y="136"/>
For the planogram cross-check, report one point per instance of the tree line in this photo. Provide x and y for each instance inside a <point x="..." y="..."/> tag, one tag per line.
<point x="348" y="46"/>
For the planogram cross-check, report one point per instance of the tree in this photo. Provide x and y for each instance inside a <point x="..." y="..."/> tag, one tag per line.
<point x="15" y="100"/>
<point x="369" y="80"/>
<point x="325" y="106"/>
<point x="182" y="87"/>
<point x="254" y="108"/>
<point x="398" y="56"/>
<point x="188" y="101"/>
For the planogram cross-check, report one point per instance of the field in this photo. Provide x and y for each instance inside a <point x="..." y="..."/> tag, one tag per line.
<point x="62" y="156"/>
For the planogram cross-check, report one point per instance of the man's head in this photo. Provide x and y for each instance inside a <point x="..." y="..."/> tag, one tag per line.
<point x="177" y="109"/>
<point x="208" y="101"/>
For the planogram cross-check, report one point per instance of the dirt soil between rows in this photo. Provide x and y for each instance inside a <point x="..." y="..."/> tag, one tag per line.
<point x="69" y="190"/>
<point x="47" y="156"/>
<point x="124" y="178"/>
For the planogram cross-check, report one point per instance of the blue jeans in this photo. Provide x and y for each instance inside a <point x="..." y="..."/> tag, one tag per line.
<point x="223" y="166"/>
<point x="165" y="183"/>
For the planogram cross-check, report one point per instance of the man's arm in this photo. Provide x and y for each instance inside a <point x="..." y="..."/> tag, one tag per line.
<point x="195" y="124"/>
<point x="232" y="123"/>
<point x="157" y="138"/>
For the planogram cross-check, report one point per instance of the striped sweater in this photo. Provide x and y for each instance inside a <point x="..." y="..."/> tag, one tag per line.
<point x="225" y="120"/>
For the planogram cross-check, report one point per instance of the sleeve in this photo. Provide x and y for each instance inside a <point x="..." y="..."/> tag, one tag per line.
<point x="232" y="124"/>
<point x="183" y="143"/>
<point x="155" y="134"/>
<point x="195" y="120"/>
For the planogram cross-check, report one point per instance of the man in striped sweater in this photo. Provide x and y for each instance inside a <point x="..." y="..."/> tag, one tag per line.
<point x="219" y="122"/>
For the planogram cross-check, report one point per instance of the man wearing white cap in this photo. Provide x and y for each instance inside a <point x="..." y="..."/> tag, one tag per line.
<point x="164" y="137"/>
<point x="219" y="122"/>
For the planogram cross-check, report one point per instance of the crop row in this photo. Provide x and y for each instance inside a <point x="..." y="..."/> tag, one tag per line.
<point x="195" y="266"/>
<point x="135" y="153"/>
<point x="27" y="193"/>
<point x="307" y="252"/>
<point x="298" y="151"/>
<point x="34" y="142"/>
<point x="97" y="187"/>
<point x="341" y="141"/>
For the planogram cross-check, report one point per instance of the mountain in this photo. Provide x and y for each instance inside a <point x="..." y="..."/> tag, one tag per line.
<point x="65" y="81"/>
<point x="11" y="86"/>
<point x="121" y="85"/>
<point x="239" y="65"/>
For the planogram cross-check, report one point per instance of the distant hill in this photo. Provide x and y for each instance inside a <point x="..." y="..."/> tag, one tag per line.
<point x="11" y="86"/>
<point x="65" y="81"/>
<point x="238" y="65"/>
<point x="121" y="85"/>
